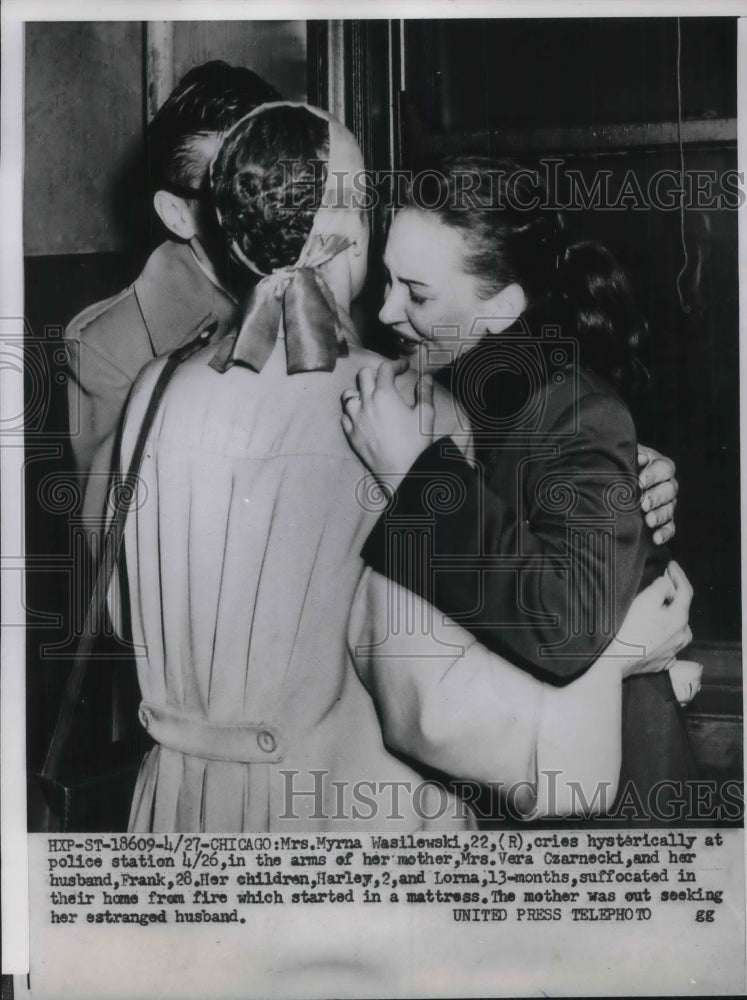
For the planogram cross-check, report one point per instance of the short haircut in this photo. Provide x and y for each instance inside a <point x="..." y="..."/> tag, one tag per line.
<point x="208" y="99"/>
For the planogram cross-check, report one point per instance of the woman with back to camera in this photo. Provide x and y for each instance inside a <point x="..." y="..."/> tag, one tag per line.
<point x="535" y="336"/>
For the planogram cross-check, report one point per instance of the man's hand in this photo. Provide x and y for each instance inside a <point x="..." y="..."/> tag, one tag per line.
<point x="660" y="489"/>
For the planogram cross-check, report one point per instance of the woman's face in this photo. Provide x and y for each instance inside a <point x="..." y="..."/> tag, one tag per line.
<point x="431" y="303"/>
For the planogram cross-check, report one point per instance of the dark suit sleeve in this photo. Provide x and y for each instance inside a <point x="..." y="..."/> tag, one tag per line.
<point x="541" y="570"/>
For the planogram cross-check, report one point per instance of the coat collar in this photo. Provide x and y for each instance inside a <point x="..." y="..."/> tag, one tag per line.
<point x="177" y="298"/>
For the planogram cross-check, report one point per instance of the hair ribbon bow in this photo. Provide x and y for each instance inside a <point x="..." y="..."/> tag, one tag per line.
<point x="299" y="297"/>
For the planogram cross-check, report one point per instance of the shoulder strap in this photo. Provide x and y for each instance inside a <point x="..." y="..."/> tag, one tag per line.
<point x="127" y="490"/>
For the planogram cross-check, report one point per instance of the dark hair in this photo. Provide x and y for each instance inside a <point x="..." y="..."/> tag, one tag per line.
<point x="513" y="234"/>
<point x="268" y="181"/>
<point x="209" y="98"/>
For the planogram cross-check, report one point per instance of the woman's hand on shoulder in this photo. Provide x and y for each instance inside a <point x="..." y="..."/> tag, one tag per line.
<point x="659" y="492"/>
<point x="384" y="431"/>
<point x="656" y="627"/>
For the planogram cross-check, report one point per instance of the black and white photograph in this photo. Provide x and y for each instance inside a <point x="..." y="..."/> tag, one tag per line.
<point x="372" y="570"/>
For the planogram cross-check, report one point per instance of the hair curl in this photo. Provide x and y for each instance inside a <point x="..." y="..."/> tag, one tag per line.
<point x="268" y="181"/>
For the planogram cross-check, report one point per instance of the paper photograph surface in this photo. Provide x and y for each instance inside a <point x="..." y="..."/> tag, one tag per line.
<point x="371" y="550"/>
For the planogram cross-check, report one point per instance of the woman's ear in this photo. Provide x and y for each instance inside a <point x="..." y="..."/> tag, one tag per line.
<point x="176" y="213"/>
<point x="505" y="307"/>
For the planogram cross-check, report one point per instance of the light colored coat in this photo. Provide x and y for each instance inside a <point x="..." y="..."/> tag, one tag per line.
<point x="242" y="560"/>
<point x="110" y="342"/>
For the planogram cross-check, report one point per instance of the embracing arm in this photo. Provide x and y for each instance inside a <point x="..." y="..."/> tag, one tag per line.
<point x="446" y="701"/>
<point x="540" y="570"/>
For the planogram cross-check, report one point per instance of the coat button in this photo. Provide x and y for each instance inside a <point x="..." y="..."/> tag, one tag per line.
<point x="266" y="741"/>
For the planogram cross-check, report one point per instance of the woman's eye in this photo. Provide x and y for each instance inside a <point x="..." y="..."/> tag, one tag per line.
<point x="418" y="300"/>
